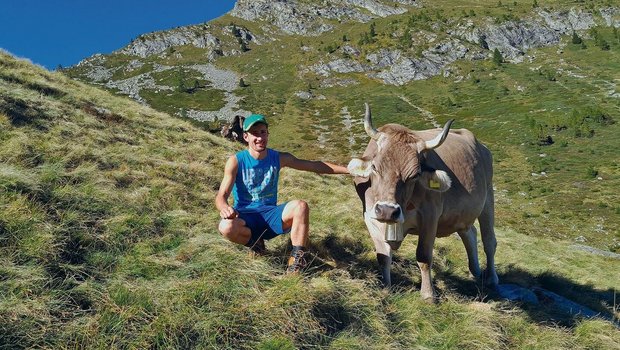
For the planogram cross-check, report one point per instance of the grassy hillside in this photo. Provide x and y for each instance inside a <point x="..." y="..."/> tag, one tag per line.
<point x="551" y="121"/>
<point x="108" y="240"/>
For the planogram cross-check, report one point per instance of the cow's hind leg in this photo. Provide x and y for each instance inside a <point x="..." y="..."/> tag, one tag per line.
<point x="469" y="237"/>
<point x="489" y="242"/>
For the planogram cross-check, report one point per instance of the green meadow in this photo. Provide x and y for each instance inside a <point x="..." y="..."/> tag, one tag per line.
<point x="108" y="228"/>
<point x="108" y="239"/>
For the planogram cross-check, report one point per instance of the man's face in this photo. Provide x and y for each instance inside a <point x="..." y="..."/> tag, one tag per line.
<point x="257" y="137"/>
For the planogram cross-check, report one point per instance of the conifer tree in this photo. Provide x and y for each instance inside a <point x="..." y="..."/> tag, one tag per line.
<point x="181" y="87"/>
<point x="405" y="40"/>
<point x="497" y="57"/>
<point x="576" y="39"/>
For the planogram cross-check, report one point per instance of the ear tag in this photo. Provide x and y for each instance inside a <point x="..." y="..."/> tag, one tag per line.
<point x="434" y="184"/>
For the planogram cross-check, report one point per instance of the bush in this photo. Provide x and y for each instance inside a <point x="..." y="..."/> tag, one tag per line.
<point x="603" y="44"/>
<point x="591" y="172"/>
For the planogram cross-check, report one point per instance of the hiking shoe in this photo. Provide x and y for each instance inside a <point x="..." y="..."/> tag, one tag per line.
<point x="296" y="262"/>
<point x="258" y="249"/>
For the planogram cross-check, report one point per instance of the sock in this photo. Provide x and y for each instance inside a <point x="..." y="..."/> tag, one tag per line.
<point x="296" y="248"/>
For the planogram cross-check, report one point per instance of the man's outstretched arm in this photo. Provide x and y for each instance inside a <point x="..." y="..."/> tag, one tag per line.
<point x="316" y="166"/>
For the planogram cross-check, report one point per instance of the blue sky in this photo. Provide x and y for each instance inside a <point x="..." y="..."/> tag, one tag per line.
<point x="64" y="32"/>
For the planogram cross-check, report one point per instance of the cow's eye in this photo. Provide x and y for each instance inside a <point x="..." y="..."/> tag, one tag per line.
<point x="373" y="168"/>
<point x="414" y="177"/>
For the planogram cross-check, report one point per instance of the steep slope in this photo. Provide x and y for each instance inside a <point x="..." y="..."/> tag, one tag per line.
<point x="107" y="239"/>
<point x="90" y="184"/>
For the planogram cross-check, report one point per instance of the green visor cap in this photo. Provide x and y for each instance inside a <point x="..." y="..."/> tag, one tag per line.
<point x="253" y="119"/>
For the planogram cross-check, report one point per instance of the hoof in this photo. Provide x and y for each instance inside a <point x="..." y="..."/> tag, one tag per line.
<point x="429" y="298"/>
<point x="489" y="279"/>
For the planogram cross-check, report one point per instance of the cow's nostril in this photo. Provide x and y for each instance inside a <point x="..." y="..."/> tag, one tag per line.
<point x="396" y="214"/>
<point x="378" y="210"/>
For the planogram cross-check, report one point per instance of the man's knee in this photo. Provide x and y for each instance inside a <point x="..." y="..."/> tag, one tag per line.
<point x="226" y="227"/>
<point x="301" y="208"/>
<point x="235" y="230"/>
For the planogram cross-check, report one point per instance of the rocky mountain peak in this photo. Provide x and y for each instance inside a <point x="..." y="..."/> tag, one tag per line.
<point x="312" y="17"/>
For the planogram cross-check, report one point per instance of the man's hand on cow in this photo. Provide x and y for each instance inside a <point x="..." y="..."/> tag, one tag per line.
<point x="228" y="213"/>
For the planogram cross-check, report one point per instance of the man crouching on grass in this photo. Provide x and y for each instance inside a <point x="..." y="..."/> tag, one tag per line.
<point x="252" y="177"/>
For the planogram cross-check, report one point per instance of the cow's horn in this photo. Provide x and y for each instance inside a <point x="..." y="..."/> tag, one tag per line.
<point x="439" y="139"/>
<point x="370" y="130"/>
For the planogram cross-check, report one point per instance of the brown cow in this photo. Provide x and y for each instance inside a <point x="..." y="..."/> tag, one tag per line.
<point x="408" y="184"/>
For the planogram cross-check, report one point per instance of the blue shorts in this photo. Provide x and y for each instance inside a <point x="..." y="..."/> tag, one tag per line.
<point x="264" y="222"/>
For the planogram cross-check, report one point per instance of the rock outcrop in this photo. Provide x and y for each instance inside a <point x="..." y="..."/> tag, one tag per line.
<point x="311" y="19"/>
<point x="467" y="41"/>
<point x="158" y="42"/>
<point x="611" y="15"/>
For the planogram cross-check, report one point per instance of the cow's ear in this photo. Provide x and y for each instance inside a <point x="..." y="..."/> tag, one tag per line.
<point x="359" y="167"/>
<point x="436" y="180"/>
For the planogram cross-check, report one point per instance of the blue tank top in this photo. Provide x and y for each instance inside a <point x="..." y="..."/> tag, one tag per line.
<point x="256" y="184"/>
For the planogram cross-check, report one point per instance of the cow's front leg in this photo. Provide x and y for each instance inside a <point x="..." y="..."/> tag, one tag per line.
<point x="384" y="258"/>
<point x="385" y="262"/>
<point x="383" y="250"/>
<point x="424" y="257"/>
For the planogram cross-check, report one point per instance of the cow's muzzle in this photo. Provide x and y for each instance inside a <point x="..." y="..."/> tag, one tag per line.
<point x="388" y="212"/>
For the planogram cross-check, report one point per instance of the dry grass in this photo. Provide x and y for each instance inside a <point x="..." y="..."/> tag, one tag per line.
<point x="107" y="239"/>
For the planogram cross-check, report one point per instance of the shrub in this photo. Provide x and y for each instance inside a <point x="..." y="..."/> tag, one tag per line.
<point x="591" y="172"/>
<point x="603" y="44"/>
